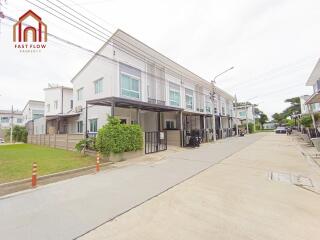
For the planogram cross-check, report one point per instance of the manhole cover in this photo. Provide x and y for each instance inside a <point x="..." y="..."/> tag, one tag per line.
<point x="291" y="179"/>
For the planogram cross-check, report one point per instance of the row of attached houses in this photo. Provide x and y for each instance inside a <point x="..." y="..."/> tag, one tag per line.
<point x="128" y="79"/>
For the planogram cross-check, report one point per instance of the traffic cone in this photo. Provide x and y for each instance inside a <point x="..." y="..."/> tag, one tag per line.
<point x="98" y="163"/>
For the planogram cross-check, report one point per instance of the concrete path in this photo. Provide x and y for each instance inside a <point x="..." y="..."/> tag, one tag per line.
<point x="235" y="199"/>
<point x="70" y="208"/>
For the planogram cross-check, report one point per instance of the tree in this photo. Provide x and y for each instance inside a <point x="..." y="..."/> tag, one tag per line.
<point x="19" y="134"/>
<point x="279" y="118"/>
<point x="263" y="119"/>
<point x="294" y="107"/>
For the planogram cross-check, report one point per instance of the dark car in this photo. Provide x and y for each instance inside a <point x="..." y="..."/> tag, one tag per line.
<point x="281" y="130"/>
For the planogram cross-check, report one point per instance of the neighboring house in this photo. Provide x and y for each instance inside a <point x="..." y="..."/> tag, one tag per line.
<point x="315" y="107"/>
<point x="314" y="81"/>
<point x="245" y="112"/>
<point x="6" y="116"/>
<point x="33" y="110"/>
<point x="58" y="110"/>
<point x="128" y="79"/>
<point x="269" y="125"/>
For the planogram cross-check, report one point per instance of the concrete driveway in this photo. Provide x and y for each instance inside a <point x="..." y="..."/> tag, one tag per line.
<point x="71" y="208"/>
<point x="235" y="199"/>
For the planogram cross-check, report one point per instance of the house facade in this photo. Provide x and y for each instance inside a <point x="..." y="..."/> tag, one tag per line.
<point x="6" y="116"/>
<point x="33" y="110"/>
<point x="134" y="82"/>
<point x="128" y="79"/>
<point x="245" y="112"/>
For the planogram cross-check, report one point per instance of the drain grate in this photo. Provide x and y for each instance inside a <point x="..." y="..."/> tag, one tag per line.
<point x="289" y="178"/>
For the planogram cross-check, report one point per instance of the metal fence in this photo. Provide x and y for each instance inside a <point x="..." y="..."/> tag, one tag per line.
<point x="155" y="142"/>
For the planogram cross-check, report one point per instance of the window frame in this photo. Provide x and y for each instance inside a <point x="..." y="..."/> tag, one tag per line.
<point x="98" y="88"/>
<point x="80" y="96"/>
<point x="137" y="77"/>
<point x="96" y="127"/>
<point x="189" y="94"/>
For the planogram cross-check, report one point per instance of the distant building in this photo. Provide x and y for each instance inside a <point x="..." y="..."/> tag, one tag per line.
<point x="5" y="120"/>
<point x="269" y="125"/>
<point x="33" y="110"/>
<point x="245" y="112"/>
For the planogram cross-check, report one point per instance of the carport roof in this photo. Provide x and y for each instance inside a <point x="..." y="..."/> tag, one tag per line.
<point x="129" y="103"/>
<point x="314" y="98"/>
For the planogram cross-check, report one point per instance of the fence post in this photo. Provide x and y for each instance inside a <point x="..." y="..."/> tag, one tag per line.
<point x="55" y="140"/>
<point x="34" y="175"/>
<point x="67" y="139"/>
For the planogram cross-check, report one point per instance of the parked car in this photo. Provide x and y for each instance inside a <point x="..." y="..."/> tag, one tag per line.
<point x="1" y="140"/>
<point x="281" y="130"/>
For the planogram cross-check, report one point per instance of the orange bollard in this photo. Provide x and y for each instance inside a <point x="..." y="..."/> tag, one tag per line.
<point x="34" y="175"/>
<point x="98" y="163"/>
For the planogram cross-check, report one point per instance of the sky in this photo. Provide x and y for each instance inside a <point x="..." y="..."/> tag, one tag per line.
<point x="272" y="44"/>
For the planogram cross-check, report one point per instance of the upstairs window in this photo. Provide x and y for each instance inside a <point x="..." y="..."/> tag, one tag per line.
<point x="174" y="94"/>
<point x="98" y="86"/>
<point x="71" y="104"/>
<point x="80" y="126"/>
<point x="55" y="104"/>
<point x="19" y="120"/>
<point x="208" y="104"/>
<point x="130" y="79"/>
<point x="80" y="94"/>
<point x="189" y="99"/>
<point x="5" y="119"/>
<point x="48" y="107"/>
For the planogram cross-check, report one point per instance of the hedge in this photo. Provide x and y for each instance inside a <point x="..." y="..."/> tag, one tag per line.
<point x="115" y="137"/>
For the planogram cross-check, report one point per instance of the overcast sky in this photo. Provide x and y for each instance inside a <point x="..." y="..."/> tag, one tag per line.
<point x="272" y="44"/>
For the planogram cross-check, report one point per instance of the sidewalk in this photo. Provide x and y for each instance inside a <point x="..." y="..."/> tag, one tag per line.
<point x="235" y="199"/>
<point x="70" y="208"/>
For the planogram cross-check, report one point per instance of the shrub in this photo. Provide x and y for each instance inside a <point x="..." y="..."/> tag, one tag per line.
<point x="251" y="127"/>
<point x="84" y="144"/>
<point x="19" y="134"/>
<point x="115" y="137"/>
<point x="306" y="121"/>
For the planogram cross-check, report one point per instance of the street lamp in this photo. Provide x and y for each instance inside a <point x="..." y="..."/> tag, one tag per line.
<point x="212" y="97"/>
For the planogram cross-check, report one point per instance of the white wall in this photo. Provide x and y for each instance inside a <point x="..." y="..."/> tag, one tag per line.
<point x="32" y="107"/>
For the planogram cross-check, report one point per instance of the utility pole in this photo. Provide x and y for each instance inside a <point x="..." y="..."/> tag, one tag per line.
<point x="247" y="123"/>
<point x="236" y="114"/>
<point x="11" y="127"/>
<point x="212" y="97"/>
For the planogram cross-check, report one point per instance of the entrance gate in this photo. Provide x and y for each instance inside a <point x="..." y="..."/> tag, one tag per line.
<point x="155" y="142"/>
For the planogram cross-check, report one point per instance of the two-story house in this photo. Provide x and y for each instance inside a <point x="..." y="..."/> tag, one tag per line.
<point x="33" y="110"/>
<point x="128" y="79"/>
<point x="9" y="118"/>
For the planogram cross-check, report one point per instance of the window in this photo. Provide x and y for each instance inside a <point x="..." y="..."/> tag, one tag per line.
<point x="80" y="94"/>
<point x="5" y="119"/>
<point x="19" y="120"/>
<point x="71" y="104"/>
<point x="48" y="107"/>
<point x="98" y="86"/>
<point x="130" y="81"/>
<point x="55" y="104"/>
<point x="93" y="125"/>
<point x="223" y="110"/>
<point x="80" y="126"/>
<point x="242" y="114"/>
<point x="208" y="104"/>
<point x="36" y="115"/>
<point x="174" y="94"/>
<point x="170" y="124"/>
<point x="189" y="99"/>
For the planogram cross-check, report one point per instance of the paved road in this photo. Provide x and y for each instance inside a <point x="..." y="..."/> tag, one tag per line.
<point x="70" y="208"/>
<point x="235" y="199"/>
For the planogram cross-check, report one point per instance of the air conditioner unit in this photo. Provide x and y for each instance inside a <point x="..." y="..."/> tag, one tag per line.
<point x="78" y="108"/>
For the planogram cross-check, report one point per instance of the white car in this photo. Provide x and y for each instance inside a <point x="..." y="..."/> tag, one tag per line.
<point x="1" y="140"/>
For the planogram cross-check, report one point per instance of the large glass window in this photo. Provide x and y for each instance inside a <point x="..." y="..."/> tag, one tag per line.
<point x="130" y="81"/>
<point x="5" y="119"/>
<point x="80" y="94"/>
<point x="93" y="125"/>
<point x="208" y="104"/>
<point x="98" y="86"/>
<point x="174" y="94"/>
<point x="189" y="99"/>
<point x="80" y="126"/>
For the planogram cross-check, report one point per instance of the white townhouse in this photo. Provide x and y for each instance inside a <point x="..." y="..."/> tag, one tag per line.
<point x="245" y="112"/>
<point x="128" y="79"/>
<point x="32" y="111"/>
<point x="310" y="104"/>
<point x="5" y="120"/>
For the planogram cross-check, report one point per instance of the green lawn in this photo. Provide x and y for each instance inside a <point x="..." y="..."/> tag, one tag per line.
<point x="16" y="161"/>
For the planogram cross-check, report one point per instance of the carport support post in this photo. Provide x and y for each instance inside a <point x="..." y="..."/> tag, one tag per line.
<point x="312" y="115"/>
<point x="112" y="108"/>
<point x="86" y="134"/>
